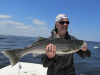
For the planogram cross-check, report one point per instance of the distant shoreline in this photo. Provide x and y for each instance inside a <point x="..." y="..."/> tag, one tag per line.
<point x="34" y="37"/>
<point x="15" y="35"/>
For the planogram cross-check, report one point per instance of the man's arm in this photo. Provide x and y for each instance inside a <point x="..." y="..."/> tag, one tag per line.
<point x="46" y="61"/>
<point x="84" y="51"/>
<point x="84" y="54"/>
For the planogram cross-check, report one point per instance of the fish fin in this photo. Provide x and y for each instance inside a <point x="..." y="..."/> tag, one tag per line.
<point x="40" y="38"/>
<point x="34" y="55"/>
<point x="12" y="56"/>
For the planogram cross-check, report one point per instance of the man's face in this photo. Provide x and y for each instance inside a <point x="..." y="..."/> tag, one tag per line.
<point x="62" y="26"/>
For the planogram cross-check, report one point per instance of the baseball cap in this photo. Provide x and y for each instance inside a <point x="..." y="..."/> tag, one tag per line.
<point x="60" y="16"/>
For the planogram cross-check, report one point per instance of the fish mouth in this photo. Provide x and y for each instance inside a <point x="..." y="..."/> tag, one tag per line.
<point x="83" y="45"/>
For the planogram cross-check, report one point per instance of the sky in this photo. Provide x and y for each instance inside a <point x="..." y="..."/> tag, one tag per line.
<point x="35" y="18"/>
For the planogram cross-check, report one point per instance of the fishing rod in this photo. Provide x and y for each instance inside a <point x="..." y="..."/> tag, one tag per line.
<point x="71" y="25"/>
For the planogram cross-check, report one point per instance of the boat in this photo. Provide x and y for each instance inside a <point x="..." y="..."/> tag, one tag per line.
<point x="24" y="68"/>
<point x="96" y="47"/>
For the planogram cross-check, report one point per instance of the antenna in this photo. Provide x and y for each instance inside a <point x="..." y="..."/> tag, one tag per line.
<point x="71" y="25"/>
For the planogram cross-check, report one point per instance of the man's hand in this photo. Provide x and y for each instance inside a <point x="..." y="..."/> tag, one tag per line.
<point x="84" y="48"/>
<point x="50" y="51"/>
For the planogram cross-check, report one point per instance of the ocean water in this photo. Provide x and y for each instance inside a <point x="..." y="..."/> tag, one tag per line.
<point x="87" y="66"/>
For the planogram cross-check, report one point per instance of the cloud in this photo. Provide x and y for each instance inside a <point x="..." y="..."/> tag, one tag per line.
<point x="6" y="22"/>
<point x="25" y="27"/>
<point x="4" y="16"/>
<point x="9" y="27"/>
<point x="43" y="28"/>
<point x="29" y="17"/>
<point x="13" y="25"/>
<point x="38" y="22"/>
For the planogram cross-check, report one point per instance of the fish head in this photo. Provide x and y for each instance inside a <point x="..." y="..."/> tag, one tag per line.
<point x="77" y="44"/>
<point x="73" y="46"/>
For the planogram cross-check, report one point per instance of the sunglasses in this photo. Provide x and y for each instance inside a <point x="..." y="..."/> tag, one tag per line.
<point x="63" y="22"/>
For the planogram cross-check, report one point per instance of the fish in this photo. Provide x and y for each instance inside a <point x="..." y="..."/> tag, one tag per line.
<point x="62" y="47"/>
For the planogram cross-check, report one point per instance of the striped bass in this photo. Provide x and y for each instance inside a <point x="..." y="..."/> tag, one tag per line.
<point x="62" y="47"/>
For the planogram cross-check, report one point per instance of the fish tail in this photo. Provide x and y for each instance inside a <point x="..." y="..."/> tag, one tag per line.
<point x="12" y="56"/>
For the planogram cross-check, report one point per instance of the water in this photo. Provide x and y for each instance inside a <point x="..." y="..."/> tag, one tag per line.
<point x="88" y="66"/>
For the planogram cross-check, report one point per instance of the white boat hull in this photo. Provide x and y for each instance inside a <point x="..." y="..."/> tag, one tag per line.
<point x="26" y="69"/>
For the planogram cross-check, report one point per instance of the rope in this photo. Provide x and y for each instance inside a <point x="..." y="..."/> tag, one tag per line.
<point x="19" y="68"/>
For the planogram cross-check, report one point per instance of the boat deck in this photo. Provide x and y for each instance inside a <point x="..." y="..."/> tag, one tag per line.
<point x="26" y="69"/>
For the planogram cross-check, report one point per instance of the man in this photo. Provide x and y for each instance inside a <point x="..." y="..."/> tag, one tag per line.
<point x="61" y="64"/>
